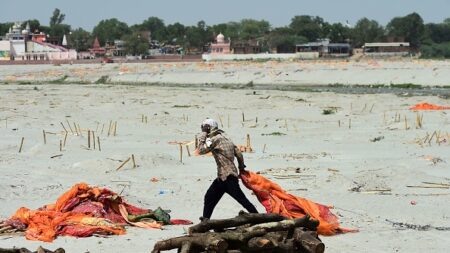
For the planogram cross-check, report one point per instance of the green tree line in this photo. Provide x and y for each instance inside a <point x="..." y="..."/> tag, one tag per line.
<point x="431" y="39"/>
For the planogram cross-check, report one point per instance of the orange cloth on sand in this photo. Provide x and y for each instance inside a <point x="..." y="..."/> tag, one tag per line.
<point x="277" y="200"/>
<point x="426" y="106"/>
<point x="46" y="223"/>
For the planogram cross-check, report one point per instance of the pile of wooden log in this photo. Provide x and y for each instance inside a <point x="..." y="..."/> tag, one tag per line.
<point x="24" y="250"/>
<point x="248" y="233"/>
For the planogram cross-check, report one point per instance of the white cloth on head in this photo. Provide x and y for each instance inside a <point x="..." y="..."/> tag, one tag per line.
<point x="212" y="123"/>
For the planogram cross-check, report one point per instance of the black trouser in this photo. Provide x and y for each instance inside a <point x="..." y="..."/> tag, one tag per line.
<point x="216" y="191"/>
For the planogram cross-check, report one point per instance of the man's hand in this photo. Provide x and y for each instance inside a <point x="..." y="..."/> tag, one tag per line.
<point x="242" y="167"/>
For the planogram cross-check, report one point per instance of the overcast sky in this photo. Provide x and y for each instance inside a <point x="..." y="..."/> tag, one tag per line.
<point x="87" y="13"/>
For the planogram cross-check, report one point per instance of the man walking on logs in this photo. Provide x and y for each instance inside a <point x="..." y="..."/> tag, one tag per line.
<point x="212" y="140"/>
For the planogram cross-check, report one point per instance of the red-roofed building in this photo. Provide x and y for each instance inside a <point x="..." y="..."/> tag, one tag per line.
<point x="96" y="49"/>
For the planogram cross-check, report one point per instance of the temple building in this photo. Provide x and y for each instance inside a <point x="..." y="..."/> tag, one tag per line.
<point x="23" y="45"/>
<point x="220" y="46"/>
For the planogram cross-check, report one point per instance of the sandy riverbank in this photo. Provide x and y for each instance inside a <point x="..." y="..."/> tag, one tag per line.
<point x="332" y="159"/>
<point x="226" y="74"/>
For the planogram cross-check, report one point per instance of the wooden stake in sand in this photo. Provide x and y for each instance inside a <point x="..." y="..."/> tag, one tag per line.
<point x="76" y="129"/>
<point x="89" y="139"/>
<point x="286" y="125"/>
<point x="60" y="145"/>
<point x="349" y="123"/>
<point x="124" y="162"/>
<point x="134" y="161"/>
<point x="65" y="139"/>
<point x="115" y="128"/>
<point x="384" y="118"/>
<point x="181" y="152"/>
<point x="69" y="126"/>
<point x="45" y="137"/>
<point x="248" y="141"/>
<point x="339" y="123"/>
<point x="221" y="122"/>
<point x="228" y="124"/>
<point x="264" y="148"/>
<point x="63" y="127"/>
<point x="98" y="141"/>
<point x="93" y="139"/>
<point x="243" y="117"/>
<point x="109" y="128"/>
<point x="21" y="144"/>
<point x="371" y="108"/>
<point x="188" y="151"/>
<point x="103" y="126"/>
<point x="81" y="131"/>
<point x="196" y="141"/>
<point x="406" y="123"/>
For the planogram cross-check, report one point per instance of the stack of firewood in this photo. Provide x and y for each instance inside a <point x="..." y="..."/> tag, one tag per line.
<point x="24" y="250"/>
<point x="248" y="233"/>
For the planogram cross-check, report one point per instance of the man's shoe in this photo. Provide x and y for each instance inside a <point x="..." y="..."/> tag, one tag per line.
<point x="203" y="219"/>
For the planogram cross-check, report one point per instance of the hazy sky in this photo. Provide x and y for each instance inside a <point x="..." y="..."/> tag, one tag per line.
<point x="87" y="13"/>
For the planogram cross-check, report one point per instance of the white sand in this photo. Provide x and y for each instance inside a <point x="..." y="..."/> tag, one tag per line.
<point x="365" y="72"/>
<point x="337" y="158"/>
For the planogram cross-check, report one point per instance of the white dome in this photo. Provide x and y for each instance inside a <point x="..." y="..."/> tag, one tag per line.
<point x="24" y="32"/>
<point x="220" y="38"/>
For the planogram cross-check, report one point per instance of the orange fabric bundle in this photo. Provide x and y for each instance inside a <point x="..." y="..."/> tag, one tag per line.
<point x="82" y="211"/>
<point x="277" y="200"/>
<point x="426" y="106"/>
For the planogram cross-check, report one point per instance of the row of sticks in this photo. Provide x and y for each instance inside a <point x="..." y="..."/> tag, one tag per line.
<point x="439" y="138"/>
<point x="77" y="131"/>
<point x="112" y="130"/>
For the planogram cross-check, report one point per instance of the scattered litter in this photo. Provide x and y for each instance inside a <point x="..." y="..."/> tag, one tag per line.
<point x="274" y="134"/>
<point x="165" y="191"/>
<point x="434" y="160"/>
<point x="379" y="138"/>
<point x="402" y="225"/>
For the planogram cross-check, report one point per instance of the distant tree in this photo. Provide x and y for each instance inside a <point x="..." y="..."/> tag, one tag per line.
<point x="308" y="26"/>
<point x="58" y="31"/>
<point x="110" y="30"/>
<point x="338" y="33"/>
<point x="57" y="28"/>
<point x="229" y="30"/>
<point x="436" y="50"/>
<point x="35" y="25"/>
<point x="156" y="26"/>
<point x="57" y="17"/>
<point x="366" y="31"/>
<point x="284" y="40"/>
<point x="80" y="40"/>
<point x="411" y="27"/>
<point x="438" y="33"/>
<point x="175" y="32"/>
<point x="135" y="44"/>
<point x="253" y="29"/>
<point x="4" y="28"/>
